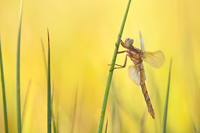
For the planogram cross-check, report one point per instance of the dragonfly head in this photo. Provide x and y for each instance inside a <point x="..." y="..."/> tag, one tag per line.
<point x="128" y="42"/>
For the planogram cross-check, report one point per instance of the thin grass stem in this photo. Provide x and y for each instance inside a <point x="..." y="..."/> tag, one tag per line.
<point x="44" y="57"/>
<point x="103" y="110"/>
<point x="106" y="126"/>
<point x="3" y="92"/>
<point x="167" y="99"/>
<point x="19" y="126"/>
<point x="194" y="128"/>
<point x="48" y="89"/>
<point x="74" y="112"/>
<point x="25" y="101"/>
<point x="142" y="123"/>
<point x="52" y="112"/>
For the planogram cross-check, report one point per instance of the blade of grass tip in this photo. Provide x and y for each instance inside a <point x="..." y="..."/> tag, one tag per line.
<point x="52" y="112"/>
<point x="19" y="127"/>
<point x="106" y="126"/>
<point x="48" y="88"/>
<point x="167" y="99"/>
<point x="25" y="101"/>
<point x="44" y="55"/>
<point x="3" y="92"/>
<point x="74" y="112"/>
<point x="105" y="99"/>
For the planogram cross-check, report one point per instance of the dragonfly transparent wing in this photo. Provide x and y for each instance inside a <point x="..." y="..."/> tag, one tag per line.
<point x="134" y="73"/>
<point x="141" y="42"/>
<point x="155" y="59"/>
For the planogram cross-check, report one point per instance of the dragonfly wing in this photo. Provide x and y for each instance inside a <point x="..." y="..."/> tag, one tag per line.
<point x="155" y="59"/>
<point x="134" y="73"/>
<point x="141" y="42"/>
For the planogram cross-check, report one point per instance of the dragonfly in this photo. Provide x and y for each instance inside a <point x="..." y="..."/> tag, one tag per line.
<point x="136" y="71"/>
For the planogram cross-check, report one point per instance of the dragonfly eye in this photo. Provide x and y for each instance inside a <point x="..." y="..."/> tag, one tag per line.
<point x="128" y="42"/>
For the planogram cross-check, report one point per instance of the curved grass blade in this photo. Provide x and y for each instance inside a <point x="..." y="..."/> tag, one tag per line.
<point x="74" y="112"/>
<point x="103" y="110"/>
<point x="19" y="126"/>
<point x="167" y="99"/>
<point x="44" y="57"/>
<point x="25" y="101"/>
<point x="3" y="92"/>
<point x="57" y="124"/>
<point x="48" y="88"/>
<point x="142" y="123"/>
<point x="52" y="112"/>
<point x="194" y="128"/>
<point x="106" y="126"/>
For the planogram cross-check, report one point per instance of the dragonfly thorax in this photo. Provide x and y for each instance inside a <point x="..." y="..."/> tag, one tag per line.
<point x="135" y="55"/>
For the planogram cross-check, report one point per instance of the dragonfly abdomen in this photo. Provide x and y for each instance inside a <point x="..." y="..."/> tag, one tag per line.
<point x="145" y="93"/>
<point x="147" y="99"/>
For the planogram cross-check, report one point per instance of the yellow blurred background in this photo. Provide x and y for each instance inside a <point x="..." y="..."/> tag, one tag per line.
<point x="82" y="36"/>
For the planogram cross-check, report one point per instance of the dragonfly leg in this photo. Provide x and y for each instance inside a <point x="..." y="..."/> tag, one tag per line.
<point x="119" y="53"/>
<point x="116" y="65"/>
<point x="122" y="52"/>
<point x="122" y="43"/>
<point x="120" y="66"/>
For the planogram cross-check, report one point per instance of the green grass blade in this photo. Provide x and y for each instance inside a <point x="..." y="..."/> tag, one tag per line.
<point x="25" y="101"/>
<point x="52" y="112"/>
<point x="19" y="127"/>
<point x="106" y="126"/>
<point x="57" y="124"/>
<point x="167" y="99"/>
<point x="3" y="92"/>
<point x="74" y="112"/>
<point x="48" y="89"/>
<point x="44" y="57"/>
<point x="103" y="110"/>
<point x="142" y="124"/>
<point x="194" y="128"/>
